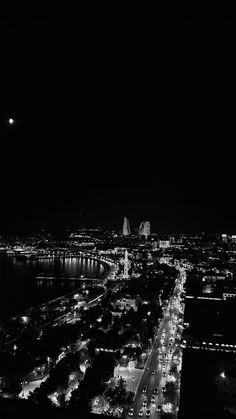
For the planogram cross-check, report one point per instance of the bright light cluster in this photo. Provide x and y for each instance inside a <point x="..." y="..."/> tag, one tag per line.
<point x="171" y="378"/>
<point x="167" y="408"/>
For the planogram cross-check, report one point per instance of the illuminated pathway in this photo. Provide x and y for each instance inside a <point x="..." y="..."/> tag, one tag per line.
<point x="160" y="360"/>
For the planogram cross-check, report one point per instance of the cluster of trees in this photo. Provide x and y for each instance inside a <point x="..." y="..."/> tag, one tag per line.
<point x="54" y="338"/>
<point x="124" y="329"/>
<point x="171" y="392"/>
<point x="110" y="339"/>
<point x="117" y="396"/>
<point x="173" y="369"/>
<point x="20" y="358"/>
<point x="58" y="378"/>
<point x="32" y="351"/>
<point x="167" y="415"/>
<point x="12" y="386"/>
<point x="147" y="284"/>
<point x="94" y="382"/>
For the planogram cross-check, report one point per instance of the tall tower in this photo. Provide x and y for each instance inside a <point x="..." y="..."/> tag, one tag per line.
<point x="224" y="238"/>
<point x="126" y="265"/>
<point x="144" y="229"/>
<point x="126" y="227"/>
<point x="141" y="228"/>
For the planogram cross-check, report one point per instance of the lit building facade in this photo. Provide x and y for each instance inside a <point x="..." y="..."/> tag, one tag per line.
<point x="233" y="238"/>
<point x="224" y="238"/>
<point x="164" y="244"/>
<point x="144" y="229"/>
<point x="126" y="227"/>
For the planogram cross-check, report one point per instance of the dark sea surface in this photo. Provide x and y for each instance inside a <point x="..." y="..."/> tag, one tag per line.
<point x="20" y="289"/>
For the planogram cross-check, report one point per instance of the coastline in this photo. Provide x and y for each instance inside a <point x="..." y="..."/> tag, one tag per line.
<point x="5" y="312"/>
<point x="45" y="306"/>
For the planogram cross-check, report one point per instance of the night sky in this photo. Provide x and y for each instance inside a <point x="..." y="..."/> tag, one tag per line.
<point x="118" y="111"/>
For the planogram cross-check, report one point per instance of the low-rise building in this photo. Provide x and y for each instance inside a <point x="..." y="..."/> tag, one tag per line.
<point x="126" y="303"/>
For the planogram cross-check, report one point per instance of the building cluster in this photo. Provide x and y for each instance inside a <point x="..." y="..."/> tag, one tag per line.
<point x="209" y="338"/>
<point x="144" y="229"/>
<point x="118" y="317"/>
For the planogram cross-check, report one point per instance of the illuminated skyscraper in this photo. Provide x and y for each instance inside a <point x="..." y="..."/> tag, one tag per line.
<point x="126" y="265"/>
<point x="126" y="227"/>
<point x="233" y="238"/>
<point x="141" y="228"/>
<point x="224" y="238"/>
<point x="144" y="229"/>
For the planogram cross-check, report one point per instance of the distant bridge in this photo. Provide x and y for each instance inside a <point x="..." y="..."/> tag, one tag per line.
<point x="65" y="278"/>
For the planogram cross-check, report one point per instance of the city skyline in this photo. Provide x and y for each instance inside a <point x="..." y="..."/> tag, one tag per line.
<point x="101" y="305"/>
<point x="113" y="113"/>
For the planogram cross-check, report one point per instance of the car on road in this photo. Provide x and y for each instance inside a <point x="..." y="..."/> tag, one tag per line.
<point x="153" y="399"/>
<point x="140" y="412"/>
<point x="131" y="411"/>
<point x="155" y="391"/>
<point x="163" y="389"/>
<point x="153" y="372"/>
<point x="158" y="408"/>
<point x="144" y="389"/>
<point x="148" y="412"/>
<point x="145" y="403"/>
<point x="164" y="374"/>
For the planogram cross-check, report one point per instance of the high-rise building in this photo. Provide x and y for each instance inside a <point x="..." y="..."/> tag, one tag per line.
<point x="233" y="238"/>
<point x="224" y="238"/>
<point x="126" y="227"/>
<point x="144" y="229"/>
<point x="126" y="265"/>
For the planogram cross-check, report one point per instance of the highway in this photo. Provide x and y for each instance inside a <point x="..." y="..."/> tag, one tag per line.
<point x="159" y="362"/>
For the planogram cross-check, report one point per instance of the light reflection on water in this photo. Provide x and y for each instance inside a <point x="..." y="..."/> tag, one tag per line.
<point x="20" y="290"/>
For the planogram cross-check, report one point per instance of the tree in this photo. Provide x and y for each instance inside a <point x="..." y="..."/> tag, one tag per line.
<point x="106" y="318"/>
<point x="39" y="397"/>
<point x="80" y="400"/>
<point x="173" y="369"/>
<point x="167" y="415"/>
<point x="15" y="387"/>
<point x="116" y="396"/>
<point x="62" y="400"/>
<point x="171" y="393"/>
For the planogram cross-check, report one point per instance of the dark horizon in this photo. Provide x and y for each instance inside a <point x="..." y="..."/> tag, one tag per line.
<point x="99" y="124"/>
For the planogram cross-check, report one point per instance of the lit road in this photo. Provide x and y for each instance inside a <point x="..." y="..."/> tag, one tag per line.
<point x="159" y="362"/>
<point x="31" y="386"/>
